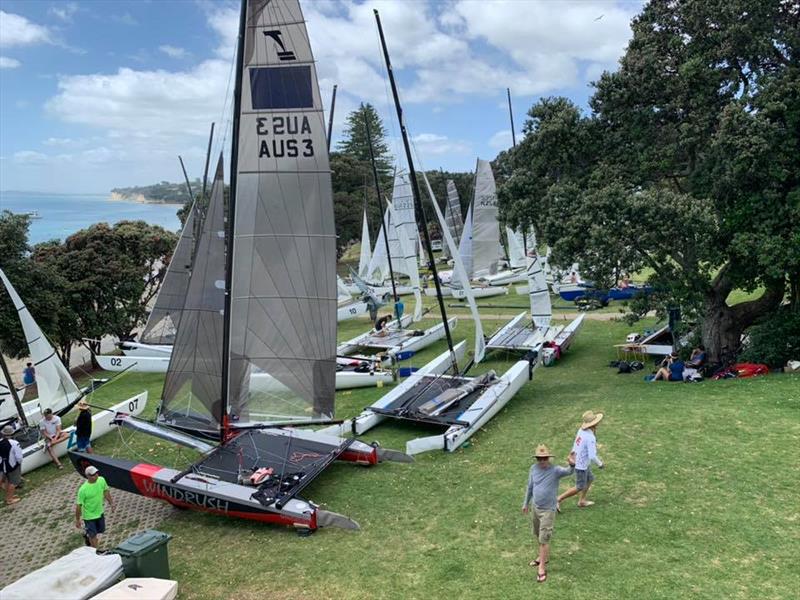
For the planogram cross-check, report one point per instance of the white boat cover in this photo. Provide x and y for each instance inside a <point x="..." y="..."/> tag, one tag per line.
<point x="80" y="574"/>
<point x="141" y="588"/>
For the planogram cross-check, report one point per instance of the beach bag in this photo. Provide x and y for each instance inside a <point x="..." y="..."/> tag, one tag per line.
<point x="624" y="367"/>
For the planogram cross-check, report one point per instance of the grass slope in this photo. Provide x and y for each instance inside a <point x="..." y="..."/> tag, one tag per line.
<point x="698" y="499"/>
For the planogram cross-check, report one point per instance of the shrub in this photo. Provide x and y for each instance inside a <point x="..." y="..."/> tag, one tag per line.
<point x="774" y="340"/>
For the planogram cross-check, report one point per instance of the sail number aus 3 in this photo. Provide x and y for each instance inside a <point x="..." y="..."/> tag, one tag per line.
<point x="286" y="137"/>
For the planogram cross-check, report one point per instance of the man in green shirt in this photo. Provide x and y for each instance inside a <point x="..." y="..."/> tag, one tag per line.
<point x="89" y="505"/>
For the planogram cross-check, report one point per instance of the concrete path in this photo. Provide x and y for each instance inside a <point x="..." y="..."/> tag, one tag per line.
<point x="41" y="527"/>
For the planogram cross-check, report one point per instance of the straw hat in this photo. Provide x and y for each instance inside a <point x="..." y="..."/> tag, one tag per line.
<point x="83" y="405"/>
<point x="590" y="419"/>
<point x="8" y="430"/>
<point x="542" y="451"/>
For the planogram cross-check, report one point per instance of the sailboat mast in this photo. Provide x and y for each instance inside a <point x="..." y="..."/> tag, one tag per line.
<point x="511" y="116"/>
<point x="13" y="390"/>
<point x="226" y="329"/>
<point x="330" y="117"/>
<point x="186" y="178"/>
<point x="415" y="190"/>
<point x="208" y="159"/>
<point x="380" y="205"/>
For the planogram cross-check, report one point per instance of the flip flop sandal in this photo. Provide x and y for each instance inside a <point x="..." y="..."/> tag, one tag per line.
<point x="586" y="504"/>
<point x="541" y="577"/>
<point x="13" y="501"/>
<point x="535" y="563"/>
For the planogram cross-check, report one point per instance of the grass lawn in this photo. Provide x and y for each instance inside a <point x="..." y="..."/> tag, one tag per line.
<point x="698" y="498"/>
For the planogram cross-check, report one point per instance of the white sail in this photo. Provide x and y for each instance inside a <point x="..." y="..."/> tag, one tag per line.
<point x="460" y="274"/>
<point x="423" y="260"/>
<point x="541" y="310"/>
<point x="409" y="260"/>
<point x="486" y="248"/>
<point x="452" y="216"/>
<point x="364" y="258"/>
<point x="465" y="247"/>
<point x="378" y="268"/>
<point x="516" y="250"/>
<point x="282" y="316"/>
<point x="403" y="206"/>
<point x="56" y="388"/>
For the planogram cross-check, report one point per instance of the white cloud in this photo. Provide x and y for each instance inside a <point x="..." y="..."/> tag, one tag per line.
<point x="26" y="157"/>
<point x="16" y="30"/>
<point x="125" y="19"/>
<point x="63" y="11"/>
<point x="173" y="51"/>
<point x="9" y="63"/>
<point x="427" y="144"/>
<point x="501" y="140"/>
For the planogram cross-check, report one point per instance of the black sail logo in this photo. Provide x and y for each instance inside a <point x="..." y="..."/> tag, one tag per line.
<point x="283" y="53"/>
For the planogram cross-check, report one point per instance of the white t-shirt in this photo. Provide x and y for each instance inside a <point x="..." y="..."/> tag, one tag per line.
<point x="585" y="449"/>
<point x="49" y="427"/>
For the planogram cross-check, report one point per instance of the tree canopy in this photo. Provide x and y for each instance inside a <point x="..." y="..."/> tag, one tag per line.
<point x="355" y="144"/>
<point x="689" y="164"/>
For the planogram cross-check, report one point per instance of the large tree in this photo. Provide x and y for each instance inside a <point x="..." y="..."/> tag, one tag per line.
<point x="354" y="142"/>
<point x="689" y="163"/>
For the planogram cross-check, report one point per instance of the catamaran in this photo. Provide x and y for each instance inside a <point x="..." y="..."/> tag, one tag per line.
<point x="273" y="316"/>
<point x="57" y="391"/>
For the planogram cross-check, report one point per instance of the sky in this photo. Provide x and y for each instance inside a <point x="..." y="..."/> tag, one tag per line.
<point x="98" y="94"/>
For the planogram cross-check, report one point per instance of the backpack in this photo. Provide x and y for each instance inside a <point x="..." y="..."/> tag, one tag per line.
<point x="624" y="367"/>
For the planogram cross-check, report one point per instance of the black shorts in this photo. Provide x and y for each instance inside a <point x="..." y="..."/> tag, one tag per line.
<point x="95" y="526"/>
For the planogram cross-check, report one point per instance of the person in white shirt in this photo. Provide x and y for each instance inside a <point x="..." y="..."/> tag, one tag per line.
<point x="50" y="427"/>
<point x="585" y="449"/>
<point x="10" y="464"/>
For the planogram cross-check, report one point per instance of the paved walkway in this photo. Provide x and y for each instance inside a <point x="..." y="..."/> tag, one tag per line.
<point x="41" y="528"/>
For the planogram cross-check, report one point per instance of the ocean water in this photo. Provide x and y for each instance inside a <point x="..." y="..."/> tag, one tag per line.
<point x="64" y="214"/>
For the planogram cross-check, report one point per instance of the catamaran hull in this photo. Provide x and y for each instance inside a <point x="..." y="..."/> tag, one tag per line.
<point x="506" y="277"/>
<point x="500" y="340"/>
<point x="430" y="291"/>
<point x="480" y="292"/>
<point x="36" y="456"/>
<point x="382" y="290"/>
<point x="410" y="344"/>
<point x="137" y="364"/>
<point x="351" y="311"/>
<point x="138" y="349"/>
<point x="204" y="494"/>
<point x="562" y="341"/>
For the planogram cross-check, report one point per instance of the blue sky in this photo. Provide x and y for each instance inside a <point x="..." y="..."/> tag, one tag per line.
<point x="98" y="94"/>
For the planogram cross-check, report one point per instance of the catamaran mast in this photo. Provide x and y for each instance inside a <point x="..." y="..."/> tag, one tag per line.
<point x="186" y="178"/>
<point x="330" y="117"/>
<point x="13" y="390"/>
<point x="208" y="157"/>
<point x="385" y="226"/>
<point x="511" y="116"/>
<point x="415" y="191"/>
<point x="226" y="328"/>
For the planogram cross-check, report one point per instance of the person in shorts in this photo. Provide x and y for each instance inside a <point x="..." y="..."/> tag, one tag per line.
<point x="92" y="495"/>
<point x="51" y="430"/>
<point x="585" y="449"/>
<point x="10" y="464"/>
<point x="83" y="428"/>
<point x="540" y="500"/>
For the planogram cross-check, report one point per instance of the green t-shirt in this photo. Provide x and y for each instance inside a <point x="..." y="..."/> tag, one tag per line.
<point x="90" y="498"/>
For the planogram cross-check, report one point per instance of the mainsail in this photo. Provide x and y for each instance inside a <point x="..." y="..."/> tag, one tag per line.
<point x="452" y="216"/>
<point x="282" y="314"/>
<point x="465" y="247"/>
<point x="193" y="382"/>
<point x="516" y="249"/>
<point x="162" y="323"/>
<point x="486" y="248"/>
<point x="541" y="310"/>
<point x="364" y="258"/>
<point x="407" y="259"/>
<point x="57" y="390"/>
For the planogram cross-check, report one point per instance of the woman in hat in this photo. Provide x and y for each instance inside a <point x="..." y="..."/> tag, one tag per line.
<point x="83" y="428"/>
<point x="541" y="493"/>
<point x="585" y="449"/>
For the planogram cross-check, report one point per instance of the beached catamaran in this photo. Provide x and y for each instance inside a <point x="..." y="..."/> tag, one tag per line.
<point x="255" y="355"/>
<point x="57" y="391"/>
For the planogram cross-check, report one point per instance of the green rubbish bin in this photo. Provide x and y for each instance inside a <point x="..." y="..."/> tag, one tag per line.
<point x="144" y="554"/>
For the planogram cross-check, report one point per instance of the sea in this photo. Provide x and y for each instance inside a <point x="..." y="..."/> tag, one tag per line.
<point x="60" y="215"/>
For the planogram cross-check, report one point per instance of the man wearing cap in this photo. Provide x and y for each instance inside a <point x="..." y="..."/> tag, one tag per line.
<point x="89" y="505"/>
<point x="83" y="428"/>
<point x="10" y="464"/>
<point x="585" y="449"/>
<point x="541" y="492"/>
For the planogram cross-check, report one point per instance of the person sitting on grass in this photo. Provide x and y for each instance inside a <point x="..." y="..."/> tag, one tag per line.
<point x="541" y="492"/>
<point x="671" y="369"/>
<point x="698" y="357"/>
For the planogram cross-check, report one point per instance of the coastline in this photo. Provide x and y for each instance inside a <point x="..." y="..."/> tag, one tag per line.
<point x="140" y="199"/>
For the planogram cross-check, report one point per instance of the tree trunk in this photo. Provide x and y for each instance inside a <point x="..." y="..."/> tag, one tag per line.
<point x="723" y="325"/>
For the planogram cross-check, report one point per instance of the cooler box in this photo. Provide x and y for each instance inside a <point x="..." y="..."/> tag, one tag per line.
<point x="143" y="588"/>
<point x="144" y="554"/>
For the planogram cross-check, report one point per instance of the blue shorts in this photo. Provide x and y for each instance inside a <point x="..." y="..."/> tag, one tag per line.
<point x="583" y="479"/>
<point x="83" y="443"/>
<point x="95" y="526"/>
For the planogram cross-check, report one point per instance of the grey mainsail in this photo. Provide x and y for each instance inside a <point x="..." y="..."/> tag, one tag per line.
<point x="162" y="323"/>
<point x="452" y="216"/>
<point x="486" y="248"/>
<point x="282" y="315"/>
<point x="194" y="378"/>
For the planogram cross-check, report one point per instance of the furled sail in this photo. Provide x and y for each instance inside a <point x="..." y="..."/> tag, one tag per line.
<point x="409" y="260"/>
<point x="162" y="323"/>
<point x="403" y="202"/>
<point x="56" y="388"/>
<point x="486" y="248"/>
<point x="541" y="310"/>
<point x="193" y="383"/>
<point x="282" y="315"/>
<point x="465" y="247"/>
<point x="452" y="217"/>
<point x="516" y="250"/>
<point x="364" y="258"/>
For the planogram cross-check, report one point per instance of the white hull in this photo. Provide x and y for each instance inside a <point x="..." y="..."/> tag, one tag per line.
<point x="430" y="291"/>
<point x="481" y="292"/>
<point x="534" y="340"/>
<point x="382" y="290"/>
<point x="408" y="344"/>
<point x="563" y="339"/>
<point x="36" y="456"/>
<point x="506" y="277"/>
<point x="351" y="311"/>
<point x="136" y="364"/>
<point x="137" y="349"/>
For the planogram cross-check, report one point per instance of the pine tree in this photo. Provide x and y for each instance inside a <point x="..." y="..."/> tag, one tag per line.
<point x="355" y="143"/>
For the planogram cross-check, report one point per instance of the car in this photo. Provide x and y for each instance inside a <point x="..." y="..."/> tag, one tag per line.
<point x="436" y="245"/>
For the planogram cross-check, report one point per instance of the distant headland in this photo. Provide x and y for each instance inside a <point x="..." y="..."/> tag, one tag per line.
<point x="159" y="193"/>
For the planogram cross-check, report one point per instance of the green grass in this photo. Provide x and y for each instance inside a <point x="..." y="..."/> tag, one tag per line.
<point x="698" y="498"/>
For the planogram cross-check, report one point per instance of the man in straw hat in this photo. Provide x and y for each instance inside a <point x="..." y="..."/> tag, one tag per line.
<point x="585" y="449"/>
<point x="10" y="464"/>
<point x="541" y="492"/>
<point x="83" y="427"/>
